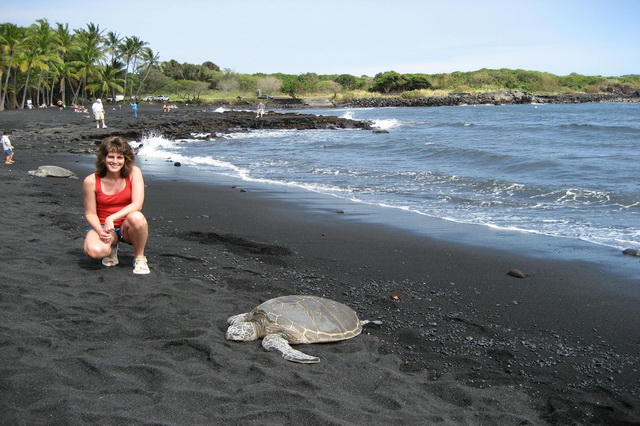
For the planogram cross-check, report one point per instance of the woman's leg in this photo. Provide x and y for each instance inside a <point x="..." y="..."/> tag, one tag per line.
<point x="135" y="230"/>
<point x="95" y="248"/>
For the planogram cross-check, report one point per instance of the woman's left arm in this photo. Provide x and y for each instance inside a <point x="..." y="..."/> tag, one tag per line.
<point x="137" y="189"/>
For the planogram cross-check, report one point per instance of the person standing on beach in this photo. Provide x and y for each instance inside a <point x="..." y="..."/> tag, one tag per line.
<point x="98" y="113"/>
<point x="134" y="107"/>
<point x="260" y="112"/>
<point x="113" y="199"/>
<point x="7" y="147"/>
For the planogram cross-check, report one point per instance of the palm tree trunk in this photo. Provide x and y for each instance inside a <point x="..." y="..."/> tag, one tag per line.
<point x="6" y="82"/>
<point x="76" y="95"/>
<point x="142" y="82"/>
<point x="39" y="86"/>
<point x="26" y="89"/>
<point x="62" y="91"/>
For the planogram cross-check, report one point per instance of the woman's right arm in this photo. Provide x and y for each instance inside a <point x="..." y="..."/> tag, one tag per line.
<point x="90" y="206"/>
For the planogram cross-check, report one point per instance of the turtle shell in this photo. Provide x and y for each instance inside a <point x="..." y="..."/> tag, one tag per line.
<point x="54" y="171"/>
<point x="311" y="319"/>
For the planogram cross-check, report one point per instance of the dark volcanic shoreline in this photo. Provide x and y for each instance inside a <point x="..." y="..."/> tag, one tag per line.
<point x="69" y="131"/>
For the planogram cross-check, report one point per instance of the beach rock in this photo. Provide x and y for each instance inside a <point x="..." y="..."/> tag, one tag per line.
<point x="632" y="252"/>
<point x="516" y="273"/>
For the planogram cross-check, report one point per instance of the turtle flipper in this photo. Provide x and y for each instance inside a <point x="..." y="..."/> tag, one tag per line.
<point x="275" y="342"/>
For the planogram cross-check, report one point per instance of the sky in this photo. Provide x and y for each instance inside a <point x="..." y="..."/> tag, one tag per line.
<point x="366" y="37"/>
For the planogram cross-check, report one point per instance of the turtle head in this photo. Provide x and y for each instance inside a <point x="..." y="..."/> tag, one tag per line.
<point x="242" y="331"/>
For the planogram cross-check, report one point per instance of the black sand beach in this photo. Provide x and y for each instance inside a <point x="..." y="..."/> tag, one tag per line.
<point x="464" y="344"/>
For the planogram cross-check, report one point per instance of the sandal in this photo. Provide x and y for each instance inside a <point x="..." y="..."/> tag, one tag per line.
<point x="112" y="259"/>
<point x="140" y="266"/>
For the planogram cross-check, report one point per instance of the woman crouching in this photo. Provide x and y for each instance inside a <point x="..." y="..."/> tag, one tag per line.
<point x="113" y="199"/>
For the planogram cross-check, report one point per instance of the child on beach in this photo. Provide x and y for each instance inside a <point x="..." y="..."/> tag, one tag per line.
<point x="7" y="147"/>
<point x="113" y="199"/>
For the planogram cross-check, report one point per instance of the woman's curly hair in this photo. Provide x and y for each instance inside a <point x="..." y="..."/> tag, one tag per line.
<point x="119" y="145"/>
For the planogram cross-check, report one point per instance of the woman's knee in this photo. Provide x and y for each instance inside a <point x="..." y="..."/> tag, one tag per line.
<point x="136" y="220"/>
<point x="96" y="250"/>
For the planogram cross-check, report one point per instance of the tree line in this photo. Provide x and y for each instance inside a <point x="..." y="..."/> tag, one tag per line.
<point x="486" y="80"/>
<point x="46" y="63"/>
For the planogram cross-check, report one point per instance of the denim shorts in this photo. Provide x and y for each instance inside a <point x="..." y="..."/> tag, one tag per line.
<point x="8" y="151"/>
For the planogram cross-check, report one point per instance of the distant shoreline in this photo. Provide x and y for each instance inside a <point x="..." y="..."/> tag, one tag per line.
<point x="505" y="97"/>
<point x="509" y="97"/>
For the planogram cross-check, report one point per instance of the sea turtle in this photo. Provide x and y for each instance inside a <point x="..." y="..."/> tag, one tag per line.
<point x="53" y="171"/>
<point x="295" y="319"/>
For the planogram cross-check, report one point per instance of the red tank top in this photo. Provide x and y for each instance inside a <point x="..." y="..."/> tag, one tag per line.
<point x="106" y="205"/>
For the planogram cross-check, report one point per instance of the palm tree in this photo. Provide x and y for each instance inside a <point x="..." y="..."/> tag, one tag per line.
<point x="107" y="79"/>
<point x="4" y="64"/>
<point x="11" y="37"/>
<point x="152" y="60"/>
<point x="89" y="52"/>
<point x="130" y="49"/>
<point x="66" y="73"/>
<point x="112" y="42"/>
<point x="38" y="53"/>
<point x="64" y="40"/>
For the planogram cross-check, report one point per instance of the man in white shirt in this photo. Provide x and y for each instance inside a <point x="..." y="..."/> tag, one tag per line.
<point x="98" y="113"/>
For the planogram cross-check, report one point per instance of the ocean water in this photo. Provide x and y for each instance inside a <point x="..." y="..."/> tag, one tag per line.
<point x="563" y="171"/>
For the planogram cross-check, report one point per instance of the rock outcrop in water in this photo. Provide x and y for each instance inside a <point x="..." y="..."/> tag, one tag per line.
<point x="177" y="126"/>
<point x="78" y="134"/>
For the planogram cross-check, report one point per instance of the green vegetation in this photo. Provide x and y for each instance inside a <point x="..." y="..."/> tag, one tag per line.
<point x="47" y="64"/>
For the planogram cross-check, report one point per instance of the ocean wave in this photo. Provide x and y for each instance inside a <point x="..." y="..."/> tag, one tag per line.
<point x="259" y="134"/>
<point x="601" y="127"/>
<point x="386" y="124"/>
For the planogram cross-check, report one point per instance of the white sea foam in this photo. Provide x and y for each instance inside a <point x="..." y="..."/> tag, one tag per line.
<point x="259" y="134"/>
<point x="382" y="124"/>
<point x="386" y="124"/>
<point x="200" y="135"/>
<point x="159" y="147"/>
<point x="152" y="144"/>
